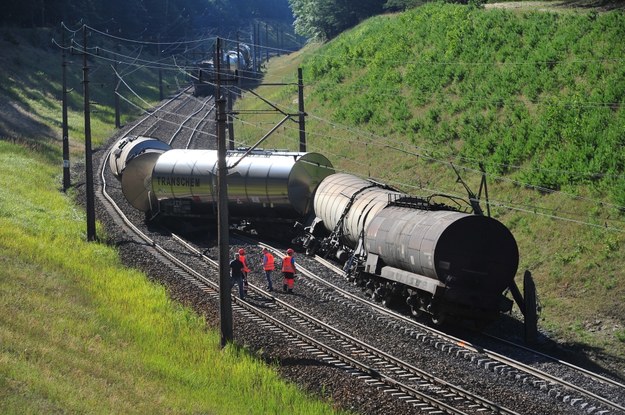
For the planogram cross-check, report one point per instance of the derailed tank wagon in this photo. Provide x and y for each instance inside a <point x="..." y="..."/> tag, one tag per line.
<point x="429" y="257"/>
<point x="266" y="190"/>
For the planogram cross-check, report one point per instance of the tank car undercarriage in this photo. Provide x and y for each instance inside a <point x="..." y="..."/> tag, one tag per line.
<point x="399" y="289"/>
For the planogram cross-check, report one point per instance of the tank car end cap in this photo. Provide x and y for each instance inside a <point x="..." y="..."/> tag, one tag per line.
<point x="137" y="181"/>
<point x="308" y="171"/>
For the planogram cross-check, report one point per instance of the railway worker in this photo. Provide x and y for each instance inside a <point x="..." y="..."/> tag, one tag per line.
<point x="288" y="271"/>
<point x="246" y="270"/>
<point x="236" y="267"/>
<point x="268" y="266"/>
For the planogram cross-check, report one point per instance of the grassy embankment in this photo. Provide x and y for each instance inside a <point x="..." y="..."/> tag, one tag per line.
<point x="79" y="332"/>
<point x="535" y="96"/>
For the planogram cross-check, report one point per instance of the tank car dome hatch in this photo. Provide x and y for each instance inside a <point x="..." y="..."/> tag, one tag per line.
<point x="309" y="170"/>
<point x="137" y="181"/>
<point x="129" y="147"/>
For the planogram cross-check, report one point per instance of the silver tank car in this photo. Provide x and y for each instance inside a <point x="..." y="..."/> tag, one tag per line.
<point x="261" y="184"/>
<point x="130" y="147"/>
<point x="270" y="184"/>
<point x="131" y="160"/>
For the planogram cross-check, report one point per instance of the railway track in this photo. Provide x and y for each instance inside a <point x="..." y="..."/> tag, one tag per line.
<point x="373" y="365"/>
<point x="398" y="378"/>
<point x="376" y="367"/>
<point x="600" y="390"/>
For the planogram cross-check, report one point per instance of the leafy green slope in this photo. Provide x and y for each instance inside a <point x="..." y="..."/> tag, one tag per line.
<point x="539" y="88"/>
<point x="535" y="96"/>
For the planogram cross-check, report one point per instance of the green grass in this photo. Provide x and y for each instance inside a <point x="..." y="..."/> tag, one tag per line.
<point x="401" y="96"/>
<point x="82" y="334"/>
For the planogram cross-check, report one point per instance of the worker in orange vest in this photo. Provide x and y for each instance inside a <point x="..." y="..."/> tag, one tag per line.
<point x="246" y="270"/>
<point x="288" y="271"/>
<point x="268" y="266"/>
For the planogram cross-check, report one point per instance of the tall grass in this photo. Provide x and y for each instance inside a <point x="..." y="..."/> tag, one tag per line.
<point x="536" y="97"/>
<point x="82" y="334"/>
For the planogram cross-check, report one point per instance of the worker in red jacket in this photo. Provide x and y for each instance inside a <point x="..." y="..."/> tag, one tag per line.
<point x="288" y="271"/>
<point x="268" y="266"/>
<point x="246" y="270"/>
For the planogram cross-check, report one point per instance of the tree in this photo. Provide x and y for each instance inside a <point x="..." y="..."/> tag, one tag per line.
<point x="324" y="19"/>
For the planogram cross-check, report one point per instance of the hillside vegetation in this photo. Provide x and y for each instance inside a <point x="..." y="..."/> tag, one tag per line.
<point x="534" y="97"/>
<point x="79" y="332"/>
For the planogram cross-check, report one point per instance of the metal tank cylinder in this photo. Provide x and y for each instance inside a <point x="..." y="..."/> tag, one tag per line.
<point x="362" y="199"/>
<point x="439" y="244"/>
<point x="283" y="183"/>
<point x="130" y="147"/>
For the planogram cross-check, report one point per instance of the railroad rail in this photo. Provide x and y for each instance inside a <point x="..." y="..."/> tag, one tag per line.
<point x="490" y="359"/>
<point x="376" y="367"/>
<point x="373" y="365"/>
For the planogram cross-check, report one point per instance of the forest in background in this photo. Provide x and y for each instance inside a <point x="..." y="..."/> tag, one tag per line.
<point x="169" y="20"/>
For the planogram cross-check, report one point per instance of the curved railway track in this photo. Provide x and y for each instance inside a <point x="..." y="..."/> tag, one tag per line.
<point x="376" y="367"/>
<point x="399" y="378"/>
<point x="604" y="391"/>
<point x="373" y="365"/>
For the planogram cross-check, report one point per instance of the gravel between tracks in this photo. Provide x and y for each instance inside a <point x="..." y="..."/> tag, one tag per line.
<point x="313" y="375"/>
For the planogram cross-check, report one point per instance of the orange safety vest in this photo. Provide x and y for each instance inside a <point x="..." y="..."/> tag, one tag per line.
<point x="269" y="263"/>
<point x="287" y="264"/>
<point x="244" y="262"/>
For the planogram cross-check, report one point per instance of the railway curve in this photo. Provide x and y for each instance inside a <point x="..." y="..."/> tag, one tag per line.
<point x="297" y="364"/>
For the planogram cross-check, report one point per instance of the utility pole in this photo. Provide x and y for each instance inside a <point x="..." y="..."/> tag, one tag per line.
<point x="88" y="156"/>
<point x="302" y="114"/>
<point x="255" y="41"/>
<point x="230" y="124"/>
<point x="160" y="71"/>
<point x="257" y="54"/>
<point x="267" y="42"/>
<point x="116" y="95"/>
<point x="66" y="177"/>
<point x="239" y="67"/>
<point x="223" y="236"/>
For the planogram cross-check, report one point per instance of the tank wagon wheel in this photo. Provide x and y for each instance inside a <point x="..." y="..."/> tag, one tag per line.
<point x="387" y="301"/>
<point x="415" y="303"/>
<point x="416" y="311"/>
<point x="438" y="319"/>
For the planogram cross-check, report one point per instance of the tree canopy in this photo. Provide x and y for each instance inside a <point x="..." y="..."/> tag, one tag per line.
<point x="324" y="19"/>
<point x="169" y="19"/>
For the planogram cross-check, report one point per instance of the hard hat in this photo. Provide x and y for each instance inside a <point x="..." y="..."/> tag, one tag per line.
<point x="289" y="251"/>
<point x="241" y="251"/>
